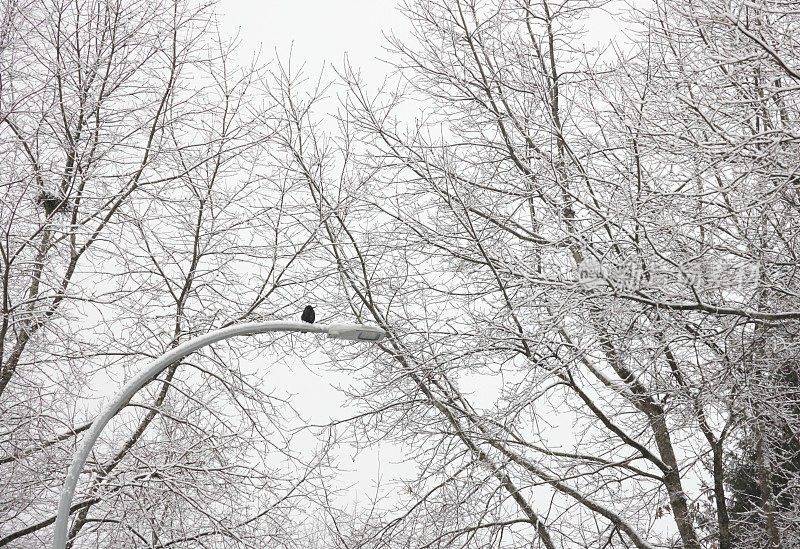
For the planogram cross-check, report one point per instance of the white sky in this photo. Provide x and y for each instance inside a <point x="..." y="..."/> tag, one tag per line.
<point x="321" y="32"/>
<point x="314" y="30"/>
<point x="317" y="32"/>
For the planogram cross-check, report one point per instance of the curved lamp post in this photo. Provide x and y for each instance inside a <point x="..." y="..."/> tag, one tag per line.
<point x="352" y="332"/>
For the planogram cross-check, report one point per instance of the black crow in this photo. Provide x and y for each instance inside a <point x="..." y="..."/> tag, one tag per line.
<point x="308" y="315"/>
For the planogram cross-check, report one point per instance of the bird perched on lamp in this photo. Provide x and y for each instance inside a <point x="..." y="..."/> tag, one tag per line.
<point x="308" y="315"/>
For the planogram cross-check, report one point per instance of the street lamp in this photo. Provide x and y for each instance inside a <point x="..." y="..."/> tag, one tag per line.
<point x="350" y="332"/>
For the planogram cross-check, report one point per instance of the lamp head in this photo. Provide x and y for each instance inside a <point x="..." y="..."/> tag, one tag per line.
<point x="356" y="332"/>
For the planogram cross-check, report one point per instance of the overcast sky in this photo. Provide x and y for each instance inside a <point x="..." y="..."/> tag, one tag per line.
<point x="317" y="31"/>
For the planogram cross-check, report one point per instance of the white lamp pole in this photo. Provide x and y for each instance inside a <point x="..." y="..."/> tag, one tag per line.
<point x="352" y="332"/>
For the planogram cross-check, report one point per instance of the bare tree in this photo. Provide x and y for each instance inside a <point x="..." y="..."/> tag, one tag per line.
<point x="605" y="238"/>
<point x="138" y="211"/>
<point x="585" y="260"/>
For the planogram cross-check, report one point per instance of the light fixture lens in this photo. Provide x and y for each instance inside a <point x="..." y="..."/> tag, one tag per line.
<point x="355" y="332"/>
